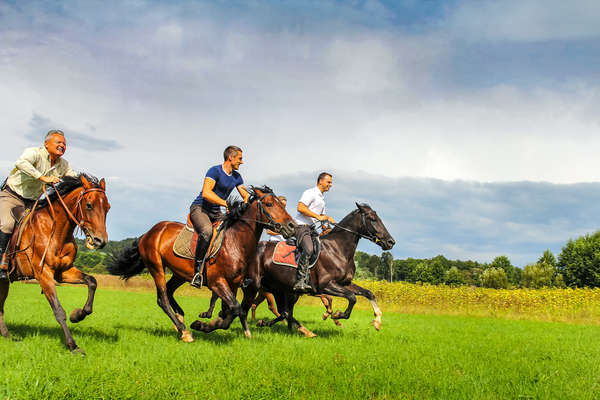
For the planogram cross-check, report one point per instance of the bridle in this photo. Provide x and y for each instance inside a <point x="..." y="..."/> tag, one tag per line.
<point x="363" y="223"/>
<point x="272" y="224"/>
<point x="78" y="223"/>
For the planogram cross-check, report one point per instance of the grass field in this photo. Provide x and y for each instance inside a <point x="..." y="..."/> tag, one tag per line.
<point x="133" y="352"/>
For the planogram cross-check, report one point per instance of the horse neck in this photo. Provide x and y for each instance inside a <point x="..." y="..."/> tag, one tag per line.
<point x="248" y="222"/>
<point x="64" y="225"/>
<point x="345" y="241"/>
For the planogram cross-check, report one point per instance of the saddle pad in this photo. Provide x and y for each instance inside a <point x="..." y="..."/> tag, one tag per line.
<point x="285" y="254"/>
<point x="185" y="243"/>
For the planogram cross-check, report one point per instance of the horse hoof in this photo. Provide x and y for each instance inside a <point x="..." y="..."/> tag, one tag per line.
<point x="187" y="337"/>
<point x="377" y="324"/>
<point x="338" y="323"/>
<point x="248" y="334"/>
<point x="260" y="323"/>
<point x="77" y="315"/>
<point x="197" y="325"/>
<point x="325" y="315"/>
<point x="78" y="351"/>
<point x="306" y="332"/>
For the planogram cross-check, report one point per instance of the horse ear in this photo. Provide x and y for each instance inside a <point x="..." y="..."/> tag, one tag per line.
<point x="86" y="183"/>
<point x="102" y="184"/>
<point x="358" y="206"/>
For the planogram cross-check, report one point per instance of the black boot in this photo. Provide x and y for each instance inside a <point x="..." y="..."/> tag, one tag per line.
<point x="4" y="239"/>
<point x="302" y="284"/>
<point x="201" y="247"/>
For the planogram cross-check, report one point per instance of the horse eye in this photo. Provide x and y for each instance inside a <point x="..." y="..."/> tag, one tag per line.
<point x="268" y="204"/>
<point x="88" y="206"/>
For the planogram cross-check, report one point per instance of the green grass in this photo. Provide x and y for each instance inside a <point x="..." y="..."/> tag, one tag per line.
<point x="133" y="352"/>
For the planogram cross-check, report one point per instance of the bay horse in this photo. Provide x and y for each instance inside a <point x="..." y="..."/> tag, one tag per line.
<point x="332" y="274"/>
<point x="47" y="247"/>
<point x="224" y="273"/>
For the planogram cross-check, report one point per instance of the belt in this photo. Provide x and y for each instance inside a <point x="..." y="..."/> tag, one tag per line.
<point x="18" y="196"/>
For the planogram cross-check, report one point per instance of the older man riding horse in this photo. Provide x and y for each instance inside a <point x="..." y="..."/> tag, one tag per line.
<point x="43" y="246"/>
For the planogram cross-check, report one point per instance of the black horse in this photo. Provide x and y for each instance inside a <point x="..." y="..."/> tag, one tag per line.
<point x="332" y="274"/>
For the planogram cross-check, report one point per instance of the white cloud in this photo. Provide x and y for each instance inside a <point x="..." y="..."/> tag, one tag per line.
<point x="525" y="20"/>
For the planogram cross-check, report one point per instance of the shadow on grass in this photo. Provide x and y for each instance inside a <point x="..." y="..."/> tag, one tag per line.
<point x="22" y="331"/>
<point x="282" y="329"/>
<point x="166" y="332"/>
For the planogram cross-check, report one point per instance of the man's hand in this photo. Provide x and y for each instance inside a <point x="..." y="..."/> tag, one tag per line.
<point x="324" y="218"/>
<point x="49" y="179"/>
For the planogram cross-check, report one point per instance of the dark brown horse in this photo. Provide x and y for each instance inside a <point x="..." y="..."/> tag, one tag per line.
<point x="47" y="248"/>
<point x="224" y="274"/>
<point x="331" y="275"/>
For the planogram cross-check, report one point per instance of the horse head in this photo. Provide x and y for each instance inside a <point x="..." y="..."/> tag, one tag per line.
<point x="91" y="211"/>
<point x="372" y="227"/>
<point x="272" y="213"/>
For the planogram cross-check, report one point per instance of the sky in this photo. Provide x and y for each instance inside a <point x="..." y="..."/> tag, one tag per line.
<point x="470" y="126"/>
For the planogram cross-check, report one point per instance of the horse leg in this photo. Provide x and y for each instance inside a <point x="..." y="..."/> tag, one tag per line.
<point x="255" y="303"/>
<point x="175" y="282"/>
<point x="208" y="313"/>
<point x="293" y="322"/>
<point x="271" y="302"/>
<point x="4" y="285"/>
<point x="360" y="291"/>
<point x="49" y="289"/>
<point x="231" y="309"/>
<point x="247" y="303"/>
<point x="154" y="263"/>
<point x="73" y="275"/>
<point x="328" y="303"/>
<point x="335" y="289"/>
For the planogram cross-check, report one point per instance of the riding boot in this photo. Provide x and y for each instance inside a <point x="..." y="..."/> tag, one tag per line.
<point x="4" y="239"/>
<point x="302" y="284"/>
<point x="201" y="247"/>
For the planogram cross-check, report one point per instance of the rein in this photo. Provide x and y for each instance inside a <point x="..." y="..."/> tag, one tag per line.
<point x="363" y="222"/>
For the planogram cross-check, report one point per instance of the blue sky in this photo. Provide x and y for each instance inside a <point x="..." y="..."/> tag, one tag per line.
<point x="418" y="100"/>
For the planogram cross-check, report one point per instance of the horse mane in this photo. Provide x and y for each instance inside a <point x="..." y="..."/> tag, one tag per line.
<point x="344" y="221"/>
<point x="66" y="186"/>
<point x="237" y="208"/>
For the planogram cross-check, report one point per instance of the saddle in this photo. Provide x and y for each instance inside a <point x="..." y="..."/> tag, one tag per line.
<point x="22" y="217"/>
<point x="185" y="243"/>
<point x="287" y="253"/>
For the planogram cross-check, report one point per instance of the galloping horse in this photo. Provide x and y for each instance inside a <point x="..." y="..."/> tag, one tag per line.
<point x="332" y="274"/>
<point x="224" y="273"/>
<point x="47" y="248"/>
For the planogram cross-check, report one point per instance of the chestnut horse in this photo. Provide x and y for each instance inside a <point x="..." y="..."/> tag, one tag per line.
<point x="331" y="275"/>
<point x="47" y="248"/>
<point x="224" y="273"/>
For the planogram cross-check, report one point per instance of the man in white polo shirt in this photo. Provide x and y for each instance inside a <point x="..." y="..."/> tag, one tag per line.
<point x="311" y="208"/>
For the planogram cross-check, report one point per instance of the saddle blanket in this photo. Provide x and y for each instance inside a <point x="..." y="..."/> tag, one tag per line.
<point x="285" y="254"/>
<point x="185" y="243"/>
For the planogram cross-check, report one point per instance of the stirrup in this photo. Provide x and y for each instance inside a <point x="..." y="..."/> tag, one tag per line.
<point x="197" y="280"/>
<point x="3" y="274"/>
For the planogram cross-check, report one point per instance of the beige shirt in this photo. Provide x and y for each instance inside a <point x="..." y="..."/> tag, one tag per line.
<point x="33" y="163"/>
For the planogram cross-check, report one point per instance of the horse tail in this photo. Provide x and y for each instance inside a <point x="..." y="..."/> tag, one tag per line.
<point x="126" y="262"/>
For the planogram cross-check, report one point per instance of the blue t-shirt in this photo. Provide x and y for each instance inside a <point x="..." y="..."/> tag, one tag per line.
<point x="224" y="184"/>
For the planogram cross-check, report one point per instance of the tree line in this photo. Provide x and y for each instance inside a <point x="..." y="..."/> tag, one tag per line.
<point x="578" y="265"/>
